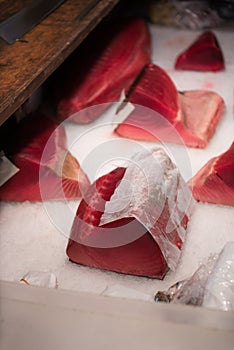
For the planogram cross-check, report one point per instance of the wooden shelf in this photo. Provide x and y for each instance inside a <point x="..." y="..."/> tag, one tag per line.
<point x="26" y="64"/>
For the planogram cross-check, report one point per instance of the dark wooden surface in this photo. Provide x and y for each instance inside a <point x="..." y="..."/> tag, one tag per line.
<point x="24" y="66"/>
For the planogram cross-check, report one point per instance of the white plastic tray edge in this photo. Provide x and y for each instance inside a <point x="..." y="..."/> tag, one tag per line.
<point x="92" y="303"/>
<point x="37" y="314"/>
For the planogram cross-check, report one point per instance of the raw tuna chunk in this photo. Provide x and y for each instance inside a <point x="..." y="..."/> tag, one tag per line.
<point x="188" y="117"/>
<point x="133" y="220"/>
<point x="203" y="55"/>
<point x="54" y="174"/>
<point x="214" y="183"/>
<point x="108" y="62"/>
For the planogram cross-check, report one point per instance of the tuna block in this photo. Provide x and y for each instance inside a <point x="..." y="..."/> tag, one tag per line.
<point x="133" y="219"/>
<point x="107" y="63"/>
<point x="47" y="169"/>
<point x="203" y="55"/>
<point x="193" y="115"/>
<point x="214" y="182"/>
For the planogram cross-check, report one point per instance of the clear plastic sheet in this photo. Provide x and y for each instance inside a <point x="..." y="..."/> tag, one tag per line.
<point x="192" y="290"/>
<point x="219" y="291"/>
<point x="211" y="286"/>
<point x="187" y="14"/>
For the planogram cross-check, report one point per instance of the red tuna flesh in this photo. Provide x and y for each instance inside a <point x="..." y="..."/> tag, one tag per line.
<point x="108" y="62"/>
<point x="203" y="55"/>
<point x="193" y="114"/>
<point x="60" y="176"/>
<point x="214" y="182"/>
<point x="138" y="251"/>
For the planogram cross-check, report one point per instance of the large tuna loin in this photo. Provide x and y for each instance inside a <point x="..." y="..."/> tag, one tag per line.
<point x="204" y="55"/>
<point x="193" y="115"/>
<point x="108" y="62"/>
<point x="214" y="182"/>
<point x="133" y="220"/>
<point x="46" y="169"/>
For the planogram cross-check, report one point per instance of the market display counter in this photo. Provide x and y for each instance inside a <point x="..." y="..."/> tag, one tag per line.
<point x="80" y="313"/>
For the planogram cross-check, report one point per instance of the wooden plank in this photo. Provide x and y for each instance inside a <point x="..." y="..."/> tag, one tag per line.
<point x="26" y="64"/>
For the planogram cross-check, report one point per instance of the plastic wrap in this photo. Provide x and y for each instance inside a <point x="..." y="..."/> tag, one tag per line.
<point x="184" y="14"/>
<point x="211" y="286"/>
<point x="219" y="291"/>
<point x="192" y="290"/>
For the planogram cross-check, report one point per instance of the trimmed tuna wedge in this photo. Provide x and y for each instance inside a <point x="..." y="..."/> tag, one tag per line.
<point x="108" y="62"/>
<point x="203" y="55"/>
<point x="133" y="227"/>
<point x="47" y="170"/>
<point x="193" y="114"/>
<point x="214" y="182"/>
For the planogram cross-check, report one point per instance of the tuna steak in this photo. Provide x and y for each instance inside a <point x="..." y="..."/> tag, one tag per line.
<point x="193" y="114"/>
<point x="203" y="55"/>
<point x="214" y="182"/>
<point x="133" y="227"/>
<point x="57" y="173"/>
<point x="108" y="62"/>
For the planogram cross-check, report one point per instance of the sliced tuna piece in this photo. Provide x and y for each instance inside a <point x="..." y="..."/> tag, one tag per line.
<point x="47" y="169"/>
<point x="199" y="114"/>
<point x="156" y="90"/>
<point x="214" y="182"/>
<point x="108" y="62"/>
<point x="204" y="55"/>
<point x="193" y="115"/>
<point x="133" y="220"/>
